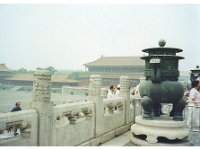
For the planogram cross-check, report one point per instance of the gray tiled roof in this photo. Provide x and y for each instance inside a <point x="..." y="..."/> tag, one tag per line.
<point x="29" y="77"/>
<point x="3" y="67"/>
<point x="117" y="61"/>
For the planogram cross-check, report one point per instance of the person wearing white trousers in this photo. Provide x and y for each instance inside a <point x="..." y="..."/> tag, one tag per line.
<point x="193" y="105"/>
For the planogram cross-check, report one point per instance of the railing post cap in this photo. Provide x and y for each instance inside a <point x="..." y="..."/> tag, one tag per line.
<point x="124" y="77"/>
<point x="95" y="76"/>
<point x="39" y="72"/>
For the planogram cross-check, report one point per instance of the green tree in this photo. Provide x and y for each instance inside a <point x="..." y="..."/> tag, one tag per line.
<point x="38" y="68"/>
<point x="23" y="70"/>
<point x="50" y="69"/>
<point x="74" y="76"/>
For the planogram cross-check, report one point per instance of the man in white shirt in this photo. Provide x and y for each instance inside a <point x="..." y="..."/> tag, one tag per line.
<point x="118" y="90"/>
<point x="112" y="92"/>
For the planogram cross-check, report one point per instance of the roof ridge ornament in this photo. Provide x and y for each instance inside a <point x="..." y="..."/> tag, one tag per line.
<point x="161" y="42"/>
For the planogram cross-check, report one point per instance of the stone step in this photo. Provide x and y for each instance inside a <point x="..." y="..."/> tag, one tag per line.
<point x="121" y="140"/>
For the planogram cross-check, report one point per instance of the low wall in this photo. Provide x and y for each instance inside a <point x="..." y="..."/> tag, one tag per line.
<point x="27" y="121"/>
<point x="136" y="107"/>
<point x="113" y="116"/>
<point x="91" y="122"/>
<point x="73" y="123"/>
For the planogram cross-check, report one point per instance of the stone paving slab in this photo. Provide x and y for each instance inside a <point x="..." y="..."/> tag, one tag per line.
<point x="120" y="140"/>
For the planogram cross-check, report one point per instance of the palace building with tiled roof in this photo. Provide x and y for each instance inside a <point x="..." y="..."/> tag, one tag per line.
<point x="27" y="80"/>
<point x="4" y="73"/>
<point x="8" y="77"/>
<point x="111" y="68"/>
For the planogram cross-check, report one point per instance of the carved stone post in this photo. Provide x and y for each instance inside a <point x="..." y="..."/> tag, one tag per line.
<point x="94" y="87"/>
<point x="43" y="105"/>
<point x="125" y="92"/>
<point x="104" y="93"/>
<point x="95" y="96"/>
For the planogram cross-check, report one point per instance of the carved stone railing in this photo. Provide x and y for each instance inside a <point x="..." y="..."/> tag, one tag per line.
<point x="192" y="117"/>
<point x="112" y="115"/>
<point x="113" y="106"/>
<point x="26" y="122"/>
<point x="125" y="93"/>
<point x="91" y="122"/>
<point x="135" y="103"/>
<point x="73" y="123"/>
<point x="73" y="113"/>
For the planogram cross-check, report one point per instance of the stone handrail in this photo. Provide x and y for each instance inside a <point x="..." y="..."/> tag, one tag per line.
<point x="26" y="120"/>
<point x="84" y="123"/>
<point x="191" y="114"/>
<point x="73" y="112"/>
<point x="73" y="123"/>
<point x="135" y="103"/>
<point x="113" y="105"/>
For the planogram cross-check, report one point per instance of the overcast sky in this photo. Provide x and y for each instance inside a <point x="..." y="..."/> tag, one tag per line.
<point x="69" y="35"/>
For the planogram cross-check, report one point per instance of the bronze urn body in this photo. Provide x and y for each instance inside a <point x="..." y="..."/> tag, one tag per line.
<point x="161" y="84"/>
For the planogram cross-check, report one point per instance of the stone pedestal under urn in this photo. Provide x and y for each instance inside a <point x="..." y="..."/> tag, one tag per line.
<point x="161" y="131"/>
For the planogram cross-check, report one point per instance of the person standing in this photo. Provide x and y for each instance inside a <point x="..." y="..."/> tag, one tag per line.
<point x="17" y="107"/>
<point x="118" y="90"/>
<point x="112" y="92"/>
<point x="193" y="101"/>
<point x="14" y="109"/>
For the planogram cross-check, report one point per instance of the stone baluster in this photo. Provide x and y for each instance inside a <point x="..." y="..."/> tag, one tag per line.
<point x="119" y="107"/>
<point x="109" y="109"/>
<point x="138" y="106"/>
<point x="2" y="127"/>
<point x="95" y="95"/>
<point x="72" y="119"/>
<point x="104" y="93"/>
<point x="132" y="103"/>
<point x="43" y="106"/>
<point x="125" y="92"/>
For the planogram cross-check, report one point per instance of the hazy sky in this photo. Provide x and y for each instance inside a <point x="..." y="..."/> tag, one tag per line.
<point x="69" y="35"/>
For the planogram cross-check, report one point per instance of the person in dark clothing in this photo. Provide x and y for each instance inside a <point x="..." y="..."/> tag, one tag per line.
<point x="16" y="108"/>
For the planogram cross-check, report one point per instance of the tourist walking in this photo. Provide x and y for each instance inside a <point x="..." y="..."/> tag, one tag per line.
<point x="193" y="103"/>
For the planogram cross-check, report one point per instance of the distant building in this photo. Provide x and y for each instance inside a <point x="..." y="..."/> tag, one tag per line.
<point x="4" y="73"/>
<point x="57" y="81"/>
<point x="8" y="77"/>
<point x="111" y="68"/>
